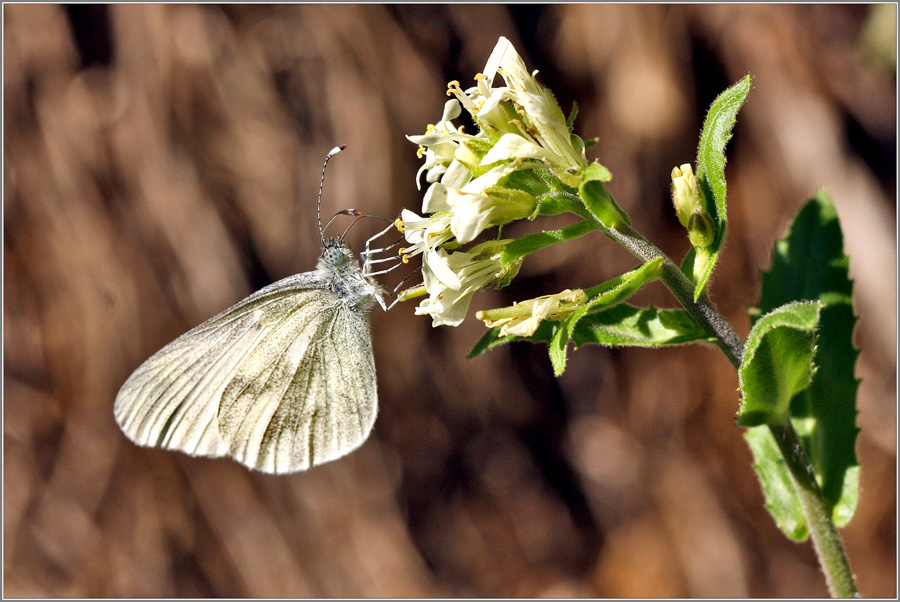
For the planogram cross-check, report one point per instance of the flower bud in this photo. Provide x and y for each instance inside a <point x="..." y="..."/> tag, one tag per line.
<point x="701" y="229"/>
<point x="685" y="193"/>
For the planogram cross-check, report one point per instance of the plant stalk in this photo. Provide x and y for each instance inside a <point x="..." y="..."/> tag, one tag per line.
<point x="826" y="541"/>
<point x="825" y="538"/>
<point x="702" y="310"/>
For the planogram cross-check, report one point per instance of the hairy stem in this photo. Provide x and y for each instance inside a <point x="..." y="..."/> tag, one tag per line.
<point x="826" y="541"/>
<point x="702" y="310"/>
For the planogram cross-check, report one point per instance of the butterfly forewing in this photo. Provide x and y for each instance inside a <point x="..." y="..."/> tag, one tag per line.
<point x="252" y="382"/>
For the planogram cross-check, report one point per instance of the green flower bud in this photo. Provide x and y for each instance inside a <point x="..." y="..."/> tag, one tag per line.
<point x="701" y="229"/>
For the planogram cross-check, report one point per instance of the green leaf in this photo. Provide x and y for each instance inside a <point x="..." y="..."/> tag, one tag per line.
<point x="597" y="172"/>
<point x="600" y="297"/>
<point x="530" y="181"/>
<point x="571" y="120"/>
<point x="775" y="477"/>
<point x="492" y="338"/>
<point x="597" y="199"/>
<point x="628" y="326"/>
<point x="711" y="173"/>
<point x="777" y="362"/>
<point x="620" y="326"/>
<point x="532" y="242"/>
<point x="809" y="263"/>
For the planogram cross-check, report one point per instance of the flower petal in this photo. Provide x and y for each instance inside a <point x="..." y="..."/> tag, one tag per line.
<point x="435" y="199"/>
<point x="512" y="146"/>
<point x="436" y="261"/>
<point x="471" y="215"/>
<point x="496" y="59"/>
<point x="456" y="175"/>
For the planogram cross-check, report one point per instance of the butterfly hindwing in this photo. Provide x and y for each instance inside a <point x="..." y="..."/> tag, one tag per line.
<point x="308" y="396"/>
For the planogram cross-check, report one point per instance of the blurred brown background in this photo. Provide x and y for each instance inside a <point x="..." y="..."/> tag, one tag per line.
<point x="162" y="162"/>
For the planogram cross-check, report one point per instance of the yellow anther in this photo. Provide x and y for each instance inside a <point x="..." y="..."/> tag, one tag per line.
<point x="405" y="258"/>
<point x="398" y="223"/>
<point x="420" y="151"/>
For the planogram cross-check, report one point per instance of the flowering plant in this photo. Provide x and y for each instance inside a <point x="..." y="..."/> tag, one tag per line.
<point x="524" y="161"/>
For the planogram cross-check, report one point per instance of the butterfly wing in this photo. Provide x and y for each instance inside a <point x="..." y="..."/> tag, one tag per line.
<point x="282" y="381"/>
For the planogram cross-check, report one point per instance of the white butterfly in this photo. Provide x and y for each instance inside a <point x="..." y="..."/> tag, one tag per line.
<point x="282" y="381"/>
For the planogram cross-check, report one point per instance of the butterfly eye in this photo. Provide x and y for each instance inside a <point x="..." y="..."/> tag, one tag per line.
<point x="333" y="256"/>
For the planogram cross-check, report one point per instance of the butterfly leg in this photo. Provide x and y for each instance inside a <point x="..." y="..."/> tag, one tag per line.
<point x="399" y="284"/>
<point x="367" y="254"/>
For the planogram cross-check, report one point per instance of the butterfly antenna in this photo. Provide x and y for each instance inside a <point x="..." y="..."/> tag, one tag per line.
<point x="330" y="154"/>
<point x="359" y="217"/>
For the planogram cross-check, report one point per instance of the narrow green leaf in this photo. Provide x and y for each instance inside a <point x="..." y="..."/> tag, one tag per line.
<point x="597" y="199"/>
<point x="532" y="242"/>
<point x="558" y="349"/>
<point x="620" y="326"/>
<point x="556" y="203"/>
<point x="774" y="476"/>
<point x="492" y="338"/>
<point x="601" y="297"/>
<point x="809" y="263"/>
<point x="628" y="326"/>
<point x="574" y="113"/>
<point x="777" y="362"/>
<point x="711" y="173"/>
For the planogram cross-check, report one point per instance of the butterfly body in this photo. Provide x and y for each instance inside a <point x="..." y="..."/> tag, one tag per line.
<point x="282" y="381"/>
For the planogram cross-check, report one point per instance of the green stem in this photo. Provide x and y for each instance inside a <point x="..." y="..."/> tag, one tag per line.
<point x="826" y="541"/>
<point x="702" y="310"/>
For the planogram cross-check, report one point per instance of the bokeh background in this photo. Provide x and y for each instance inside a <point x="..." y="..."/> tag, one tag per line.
<point x="162" y="162"/>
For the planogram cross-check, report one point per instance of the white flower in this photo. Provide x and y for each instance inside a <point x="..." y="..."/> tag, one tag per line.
<point x="543" y="123"/>
<point x="426" y="235"/>
<point x="439" y="143"/>
<point x="448" y="302"/>
<point x="473" y="212"/>
<point x="555" y="307"/>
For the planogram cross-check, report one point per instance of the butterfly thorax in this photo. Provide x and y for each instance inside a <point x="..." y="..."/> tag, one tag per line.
<point x="340" y="272"/>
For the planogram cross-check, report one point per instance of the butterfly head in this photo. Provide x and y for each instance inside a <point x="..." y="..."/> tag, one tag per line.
<point x="335" y="253"/>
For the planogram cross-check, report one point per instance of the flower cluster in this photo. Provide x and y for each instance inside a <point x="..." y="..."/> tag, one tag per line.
<point x="519" y="127"/>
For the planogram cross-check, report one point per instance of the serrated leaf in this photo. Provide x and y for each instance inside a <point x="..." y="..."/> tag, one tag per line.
<point x="777" y="363"/>
<point x="601" y="297"/>
<point x="809" y="263"/>
<point x="775" y="478"/>
<point x="711" y="173"/>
